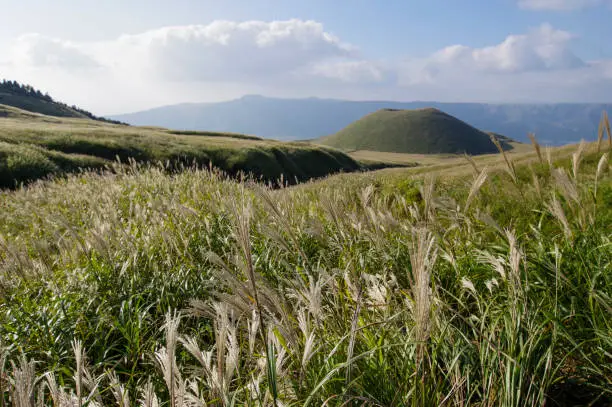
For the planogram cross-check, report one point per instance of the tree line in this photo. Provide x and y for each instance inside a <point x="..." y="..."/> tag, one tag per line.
<point x="16" y="88"/>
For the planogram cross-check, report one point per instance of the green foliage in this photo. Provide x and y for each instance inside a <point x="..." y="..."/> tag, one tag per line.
<point x="69" y="146"/>
<point x="359" y="289"/>
<point x="22" y="163"/>
<point x="213" y="134"/>
<point x="424" y="131"/>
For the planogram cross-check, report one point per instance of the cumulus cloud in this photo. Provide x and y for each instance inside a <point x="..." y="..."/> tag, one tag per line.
<point x="232" y="51"/>
<point x="253" y="55"/>
<point x="34" y="50"/>
<point x="558" y="5"/>
<point x="296" y="58"/>
<point x="544" y="48"/>
<point x="223" y="50"/>
<point x="536" y="66"/>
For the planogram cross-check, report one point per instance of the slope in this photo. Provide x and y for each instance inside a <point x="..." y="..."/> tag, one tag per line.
<point x="27" y="98"/>
<point x="422" y="131"/>
<point x="34" y="146"/>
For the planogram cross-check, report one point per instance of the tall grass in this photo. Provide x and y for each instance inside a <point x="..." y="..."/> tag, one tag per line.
<point x="140" y="288"/>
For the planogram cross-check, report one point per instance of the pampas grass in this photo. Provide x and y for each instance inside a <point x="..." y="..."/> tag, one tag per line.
<point x="383" y="289"/>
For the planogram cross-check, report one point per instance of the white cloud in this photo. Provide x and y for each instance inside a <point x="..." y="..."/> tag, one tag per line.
<point x="212" y="60"/>
<point x="537" y="66"/>
<point x="35" y="50"/>
<point x="541" y="49"/>
<point x="296" y="58"/>
<point x="231" y="51"/>
<point x="222" y="50"/>
<point x="558" y="5"/>
<point x="352" y="71"/>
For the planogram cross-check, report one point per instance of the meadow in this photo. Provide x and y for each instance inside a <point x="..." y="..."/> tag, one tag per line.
<point x="34" y="146"/>
<point x="484" y="283"/>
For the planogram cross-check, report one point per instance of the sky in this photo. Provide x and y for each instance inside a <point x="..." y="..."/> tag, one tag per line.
<point x="119" y="56"/>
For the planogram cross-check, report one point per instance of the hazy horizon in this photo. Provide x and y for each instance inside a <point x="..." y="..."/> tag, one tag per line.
<point x="407" y="101"/>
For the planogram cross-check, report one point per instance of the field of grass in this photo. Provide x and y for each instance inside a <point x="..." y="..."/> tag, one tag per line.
<point x="518" y="150"/>
<point x="422" y="131"/>
<point x="484" y="283"/>
<point x="33" y="104"/>
<point x="34" y="146"/>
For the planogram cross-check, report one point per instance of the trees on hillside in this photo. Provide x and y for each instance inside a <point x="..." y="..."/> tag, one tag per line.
<point x="16" y="88"/>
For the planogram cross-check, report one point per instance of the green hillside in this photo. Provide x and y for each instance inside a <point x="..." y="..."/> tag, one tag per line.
<point x="422" y="131"/>
<point x="34" y="146"/>
<point x="27" y="98"/>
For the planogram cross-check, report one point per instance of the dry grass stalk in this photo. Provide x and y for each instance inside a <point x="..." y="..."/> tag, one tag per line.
<point x="577" y="158"/>
<point x="600" y="131"/>
<point x="514" y="257"/>
<point x="79" y="355"/>
<point x="243" y="235"/>
<point x="509" y="164"/>
<point x="568" y="188"/>
<point x="476" y="185"/>
<point x="472" y="163"/>
<point x="166" y="359"/>
<point x="536" y="146"/>
<point x="148" y="398"/>
<point x="23" y="384"/>
<point x="549" y="158"/>
<point x="3" y="376"/>
<point x="557" y="211"/>
<point x="423" y="254"/>
<point x="427" y="193"/>
<point x="121" y="394"/>
<point x="606" y="124"/>
<point x="601" y="167"/>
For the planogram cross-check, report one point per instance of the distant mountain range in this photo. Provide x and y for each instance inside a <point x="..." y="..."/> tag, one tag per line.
<point x="299" y="119"/>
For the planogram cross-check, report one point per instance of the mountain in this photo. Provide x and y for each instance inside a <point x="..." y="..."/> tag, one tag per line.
<point x="419" y="131"/>
<point x="25" y="97"/>
<point x="295" y="119"/>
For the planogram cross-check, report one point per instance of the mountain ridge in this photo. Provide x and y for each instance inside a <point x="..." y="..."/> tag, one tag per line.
<point x="311" y="118"/>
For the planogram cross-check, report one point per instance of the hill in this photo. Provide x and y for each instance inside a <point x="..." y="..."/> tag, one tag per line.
<point x="421" y="131"/>
<point x="300" y="119"/>
<point x="27" y="98"/>
<point x="34" y="146"/>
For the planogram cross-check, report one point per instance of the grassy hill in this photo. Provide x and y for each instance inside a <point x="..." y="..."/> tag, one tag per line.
<point x="33" y="146"/>
<point x="27" y="98"/>
<point x="421" y="131"/>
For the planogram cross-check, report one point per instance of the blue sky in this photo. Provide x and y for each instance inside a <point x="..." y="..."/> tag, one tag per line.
<point x="122" y="55"/>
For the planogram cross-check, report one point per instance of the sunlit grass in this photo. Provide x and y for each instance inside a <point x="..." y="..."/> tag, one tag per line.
<point x="465" y="286"/>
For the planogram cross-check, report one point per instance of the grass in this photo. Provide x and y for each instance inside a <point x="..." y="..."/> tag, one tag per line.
<point x="423" y="131"/>
<point x="34" y="146"/>
<point x="483" y="283"/>
<point x="427" y="159"/>
<point x="36" y="105"/>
